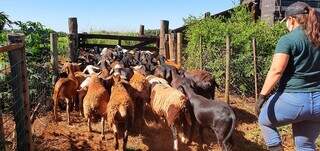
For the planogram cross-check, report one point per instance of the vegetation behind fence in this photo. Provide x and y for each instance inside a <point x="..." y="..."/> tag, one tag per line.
<point x="207" y="42"/>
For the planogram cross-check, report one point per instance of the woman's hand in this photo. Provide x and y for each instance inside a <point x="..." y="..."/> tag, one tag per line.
<point x="261" y="100"/>
<point x="278" y="66"/>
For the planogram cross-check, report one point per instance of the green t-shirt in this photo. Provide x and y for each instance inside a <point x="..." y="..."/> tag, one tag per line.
<point x="302" y="73"/>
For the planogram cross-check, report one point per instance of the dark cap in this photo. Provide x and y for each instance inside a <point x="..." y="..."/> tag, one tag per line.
<point x="297" y="8"/>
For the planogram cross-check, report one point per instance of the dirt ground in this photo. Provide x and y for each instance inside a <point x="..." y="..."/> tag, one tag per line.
<point x="51" y="136"/>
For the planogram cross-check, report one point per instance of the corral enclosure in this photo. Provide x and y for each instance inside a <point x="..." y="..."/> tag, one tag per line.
<point x="48" y="135"/>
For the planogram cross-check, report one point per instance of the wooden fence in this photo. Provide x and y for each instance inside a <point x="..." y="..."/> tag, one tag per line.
<point x="20" y="106"/>
<point x="168" y="44"/>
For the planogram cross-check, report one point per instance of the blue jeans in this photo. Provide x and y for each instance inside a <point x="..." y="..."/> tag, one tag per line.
<point x="302" y="110"/>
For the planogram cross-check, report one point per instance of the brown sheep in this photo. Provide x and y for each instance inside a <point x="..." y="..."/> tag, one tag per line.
<point x="120" y="111"/>
<point x="95" y="101"/>
<point x="171" y="104"/>
<point x="65" y="88"/>
<point x="140" y="96"/>
<point x="79" y="76"/>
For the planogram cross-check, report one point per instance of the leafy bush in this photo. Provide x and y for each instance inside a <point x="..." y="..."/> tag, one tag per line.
<point x="38" y="62"/>
<point x="63" y="44"/>
<point x="37" y="37"/>
<point x="210" y="34"/>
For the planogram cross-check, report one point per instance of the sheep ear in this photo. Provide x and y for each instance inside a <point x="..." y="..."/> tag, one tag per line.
<point x="116" y="78"/>
<point x="86" y="75"/>
<point x="153" y="84"/>
<point x="111" y="71"/>
<point x="168" y="75"/>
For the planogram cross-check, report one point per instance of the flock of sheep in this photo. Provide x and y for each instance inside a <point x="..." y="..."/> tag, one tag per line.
<point x="126" y="83"/>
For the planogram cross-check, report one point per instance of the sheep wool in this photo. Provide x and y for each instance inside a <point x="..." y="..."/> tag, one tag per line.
<point x="167" y="101"/>
<point x="120" y="101"/>
<point x="139" y="82"/>
<point x="96" y="98"/>
<point x="154" y="79"/>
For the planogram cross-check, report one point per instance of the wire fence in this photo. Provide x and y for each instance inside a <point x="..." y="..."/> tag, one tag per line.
<point x="15" y="128"/>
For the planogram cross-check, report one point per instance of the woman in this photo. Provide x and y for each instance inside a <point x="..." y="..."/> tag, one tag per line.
<point x="296" y="65"/>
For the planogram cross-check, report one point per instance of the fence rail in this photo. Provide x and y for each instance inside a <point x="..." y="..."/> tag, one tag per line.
<point x="118" y="37"/>
<point x="168" y="44"/>
<point x="11" y="47"/>
<point x="111" y="46"/>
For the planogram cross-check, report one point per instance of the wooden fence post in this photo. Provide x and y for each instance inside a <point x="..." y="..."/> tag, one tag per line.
<point x="172" y="47"/>
<point x="179" y="47"/>
<point x="141" y="30"/>
<point x="164" y="28"/>
<point x="166" y="48"/>
<point x="21" y="94"/>
<point x="54" y="56"/>
<point x="255" y="68"/>
<point x="226" y="96"/>
<point x="119" y="42"/>
<point x="73" y="37"/>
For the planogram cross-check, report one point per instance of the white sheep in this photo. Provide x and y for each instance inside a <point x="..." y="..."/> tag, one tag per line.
<point x="90" y="69"/>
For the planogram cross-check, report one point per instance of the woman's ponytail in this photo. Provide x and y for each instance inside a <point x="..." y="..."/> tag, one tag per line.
<point x="313" y="26"/>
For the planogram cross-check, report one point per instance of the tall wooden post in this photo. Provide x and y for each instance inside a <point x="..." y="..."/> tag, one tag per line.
<point x="21" y="94"/>
<point x="179" y="47"/>
<point x="255" y="68"/>
<point x="141" y="30"/>
<point x="73" y="38"/>
<point x="166" y="46"/>
<point x="164" y="29"/>
<point x="227" y="69"/>
<point x="119" y="42"/>
<point x="172" y="47"/>
<point x="54" y="56"/>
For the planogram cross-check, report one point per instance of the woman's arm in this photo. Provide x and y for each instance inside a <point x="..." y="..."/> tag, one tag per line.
<point x="278" y="65"/>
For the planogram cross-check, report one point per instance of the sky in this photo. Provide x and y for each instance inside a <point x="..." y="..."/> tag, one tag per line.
<point x="110" y="15"/>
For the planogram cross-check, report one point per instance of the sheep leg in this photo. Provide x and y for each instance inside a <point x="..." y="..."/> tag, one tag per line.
<point x="102" y="124"/>
<point x="89" y="124"/>
<point x="115" y="133"/>
<point x="80" y="98"/>
<point x="220" y="139"/>
<point x="175" y="137"/>
<point x="183" y="129"/>
<point x="142" y="123"/>
<point x="68" y="110"/>
<point x="201" y="137"/>
<point x="55" y="103"/>
<point x="125" y="137"/>
<point x="125" y="140"/>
